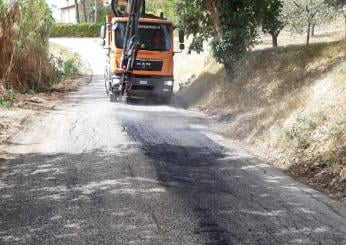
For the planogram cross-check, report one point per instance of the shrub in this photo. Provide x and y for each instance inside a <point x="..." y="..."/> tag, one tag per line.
<point x="75" y="30"/>
<point x="8" y="101"/>
<point x="65" y="67"/>
<point x="300" y="132"/>
<point x="24" y="57"/>
<point x="71" y="67"/>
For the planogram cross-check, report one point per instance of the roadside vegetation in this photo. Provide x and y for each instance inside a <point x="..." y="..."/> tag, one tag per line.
<point x="286" y="104"/>
<point x="27" y="66"/>
<point x="24" y="29"/>
<point x="89" y="21"/>
<point x="290" y="112"/>
<point x="75" y="30"/>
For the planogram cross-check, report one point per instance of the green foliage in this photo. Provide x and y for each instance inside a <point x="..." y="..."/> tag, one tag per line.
<point x="300" y="131"/>
<point x="165" y="6"/>
<point x="302" y="14"/>
<point x="336" y="3"/>
<point x="231" y="26"/>
<point x="272" y="21"/>
<point x="71" y="67"/>
<point x="25" y="27"/>
<point x="336" y="132"/>
<point x="103" y="12"/>
<point x="57" y="64"/>
<point x="65" y="67"/>
<point x="75" y="30"/>
<point x="8" y="101"/>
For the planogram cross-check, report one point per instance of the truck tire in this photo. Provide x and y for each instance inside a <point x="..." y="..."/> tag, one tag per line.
<point x="113" y="98"/>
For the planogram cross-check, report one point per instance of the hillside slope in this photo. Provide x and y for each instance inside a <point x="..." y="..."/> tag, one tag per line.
<point x="288" y="106"/>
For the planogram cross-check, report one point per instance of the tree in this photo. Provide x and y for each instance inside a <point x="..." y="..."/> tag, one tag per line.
<point x="84" y="10"/>
<point x="165" y="6"/>
<point x="338" y="5"/>
<point x="230" y="25"/>
<point x="272" y="21"/>
<point x="77" y="11"/>
<point x="96" y="12"/>
<point x="303" y="14"/>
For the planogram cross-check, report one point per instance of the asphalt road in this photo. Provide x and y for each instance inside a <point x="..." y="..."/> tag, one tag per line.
<point x="91" y="172"/>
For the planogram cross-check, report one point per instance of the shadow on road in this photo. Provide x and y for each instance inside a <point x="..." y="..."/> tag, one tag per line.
<point x="235" y="198"/>
<point x="171" y="194"/>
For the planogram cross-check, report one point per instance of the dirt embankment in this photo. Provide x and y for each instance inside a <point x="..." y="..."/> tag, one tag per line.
<point x="286" y="105"/>
<point x="28" y="105"/>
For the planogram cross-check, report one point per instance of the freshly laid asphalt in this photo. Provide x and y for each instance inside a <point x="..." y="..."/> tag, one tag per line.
<point x="92" y="172"/>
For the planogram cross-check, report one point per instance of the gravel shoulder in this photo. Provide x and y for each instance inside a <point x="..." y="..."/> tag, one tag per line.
<point x="28" y="106"/>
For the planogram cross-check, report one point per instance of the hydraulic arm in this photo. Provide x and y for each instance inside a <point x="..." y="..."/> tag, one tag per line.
<point x="131" y="40"/>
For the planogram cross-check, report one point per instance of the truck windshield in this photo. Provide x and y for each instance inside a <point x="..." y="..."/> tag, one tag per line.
<point x="155" y="37"/>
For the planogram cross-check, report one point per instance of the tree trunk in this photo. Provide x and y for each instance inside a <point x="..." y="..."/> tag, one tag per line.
<point x="308" y="35"/>
<point x="84" y="11"/>
<point x="229" y="72"/>
<point x="275" y="40"/>
<point x="313" y="30"/>
<point x="77" y="11"/>
<point x="345" y="27"/>
<point x="96" y="13"/>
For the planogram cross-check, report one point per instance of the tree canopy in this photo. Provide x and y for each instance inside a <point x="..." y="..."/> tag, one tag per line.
<point x="230" y="25"/>
<point x="303" y="14"/>
<point x="272" y="19"/>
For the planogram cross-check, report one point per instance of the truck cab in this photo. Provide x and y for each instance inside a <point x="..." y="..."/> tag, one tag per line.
<point x="152" y="76"/>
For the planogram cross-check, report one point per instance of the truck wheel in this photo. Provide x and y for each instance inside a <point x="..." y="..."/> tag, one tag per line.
<point x="113" y="98"/>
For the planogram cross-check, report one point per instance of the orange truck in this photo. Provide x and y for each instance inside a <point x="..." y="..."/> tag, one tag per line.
<point x="139" y="50"/>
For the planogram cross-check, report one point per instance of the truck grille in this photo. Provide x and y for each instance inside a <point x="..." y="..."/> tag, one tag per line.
<point x="142" y="87"/>
<point x="148" y="65"/>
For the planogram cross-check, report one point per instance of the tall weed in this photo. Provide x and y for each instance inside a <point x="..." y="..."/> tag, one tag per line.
<point x="8" y="101"/>
<point x="24" y="57"/>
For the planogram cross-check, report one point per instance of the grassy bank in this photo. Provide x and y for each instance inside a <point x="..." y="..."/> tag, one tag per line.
<point x="287" y="105"/>
<point x="66" y="65"/>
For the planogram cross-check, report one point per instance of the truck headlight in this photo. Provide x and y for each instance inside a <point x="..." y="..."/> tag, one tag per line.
<point x="169" y="83"/>
<point x="116" y="81"/>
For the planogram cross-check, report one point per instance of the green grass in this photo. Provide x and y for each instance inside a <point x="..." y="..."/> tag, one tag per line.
<point x="300" y="131"/>
<point x="66" y="63"/>
<point x="7" y="102"/>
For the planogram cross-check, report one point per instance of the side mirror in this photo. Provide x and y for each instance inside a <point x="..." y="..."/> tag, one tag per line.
<point x="182" y="46"/>
<point x="181" y="36"/>
<point x="103" y="32"/>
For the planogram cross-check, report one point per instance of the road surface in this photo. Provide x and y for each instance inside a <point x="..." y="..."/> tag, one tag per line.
<point x="91" y="172"/>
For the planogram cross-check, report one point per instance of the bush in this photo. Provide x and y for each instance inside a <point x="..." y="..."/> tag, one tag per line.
<point x="24" y="58"/>
<point x="75" y="30"/>
<point x="300" y="132"/>
<point x="8" y="101"/>
<point x="71" y="67"/>
<point x="65" y="67"/>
